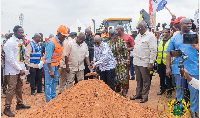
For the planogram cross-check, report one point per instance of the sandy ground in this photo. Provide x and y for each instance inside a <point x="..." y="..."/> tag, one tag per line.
<point x="156" y="102"/>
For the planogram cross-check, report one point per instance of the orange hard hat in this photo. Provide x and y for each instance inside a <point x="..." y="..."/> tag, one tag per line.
<point x="63" y="30"/>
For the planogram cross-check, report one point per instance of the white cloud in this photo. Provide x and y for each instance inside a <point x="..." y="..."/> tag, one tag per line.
<point x="47" y="15"/>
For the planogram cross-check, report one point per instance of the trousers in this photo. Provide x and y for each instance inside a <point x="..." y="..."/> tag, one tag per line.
<point x="143" y="81"/>
<point x="108" y="77"/>
<point x="14" y="87"/>
<point x="50" y="83"/>
<point x="181" y="92"/>
<point x="36" y="77"/>
<point x="163" y="77"/>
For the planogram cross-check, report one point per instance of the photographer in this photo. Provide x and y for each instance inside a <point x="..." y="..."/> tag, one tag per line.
<point x="176" y="42"/>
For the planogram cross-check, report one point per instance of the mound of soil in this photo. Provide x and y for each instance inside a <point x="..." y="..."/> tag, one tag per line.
<point x="92" y="99"/>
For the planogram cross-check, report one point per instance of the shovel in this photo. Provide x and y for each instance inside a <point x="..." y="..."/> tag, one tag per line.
<point x="91" y="72"/>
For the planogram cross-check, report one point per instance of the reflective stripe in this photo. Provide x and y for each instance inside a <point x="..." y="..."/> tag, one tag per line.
<point x="32" y="47"/>
<point x="162" y="51"/>
<point x="34" y="57"/>
<point x="55" y="60"/>
<point x="164" y="58"/>
<point x="161" y="58"/>
<point x="36" y="53"/>
<point x="56" y="54"/>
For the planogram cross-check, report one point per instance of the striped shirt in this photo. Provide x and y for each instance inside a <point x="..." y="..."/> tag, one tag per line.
<point x="104" y="57"/>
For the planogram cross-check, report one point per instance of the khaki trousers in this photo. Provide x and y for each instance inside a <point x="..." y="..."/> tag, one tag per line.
<point x="62" y="74"/>
<point x="143" y="81"/>
<point x="15" y="84"/>
<point x="71" y="76"/>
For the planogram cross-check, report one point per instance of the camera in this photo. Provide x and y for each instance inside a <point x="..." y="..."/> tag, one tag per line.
<point x="179" y="53"/>
<point x="190" y="38"/>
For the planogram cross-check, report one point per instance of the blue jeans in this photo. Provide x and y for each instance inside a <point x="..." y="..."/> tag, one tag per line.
<point x="50" y="83"/>
<point x="194" y="93"/>
<point x="132" y="69"/>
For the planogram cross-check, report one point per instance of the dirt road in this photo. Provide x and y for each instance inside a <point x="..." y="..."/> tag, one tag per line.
<point x="155" y="101"/>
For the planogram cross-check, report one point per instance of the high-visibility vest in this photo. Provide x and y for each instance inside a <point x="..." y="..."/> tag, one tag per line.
<point x="151" y="72"/>
<point x="57" y="53"/>
<point x="162" y="53"/>
<point x="35" y="54"/>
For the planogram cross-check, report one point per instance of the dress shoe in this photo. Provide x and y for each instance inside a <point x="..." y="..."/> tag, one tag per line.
<point x="27" y="82"/>
<point x="117" y="90"/>
<point x="8" y="112"/>
<point x="126" y="91"/>
<point x="161" y="92"/>
<point x="124" y="96"/>
<point x="169" y="95"/>
<point x="132" y="78"/>
<point x="22" y="106"/>
<point x="136" y="97"/>
<point x="32" y="93"/>
<point x="194" y="115"/>
<point x="4" y="91"/>
<point x="40" y="92"/>
<point x="143" y="100"/>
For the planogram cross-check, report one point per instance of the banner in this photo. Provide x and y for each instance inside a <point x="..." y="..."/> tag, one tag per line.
<point x="152" y="21"/>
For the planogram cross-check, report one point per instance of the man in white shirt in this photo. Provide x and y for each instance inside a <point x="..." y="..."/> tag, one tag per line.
<point x="76" y="52"/>
<point x="144" y="55"/>
<point x="14" y="68"/>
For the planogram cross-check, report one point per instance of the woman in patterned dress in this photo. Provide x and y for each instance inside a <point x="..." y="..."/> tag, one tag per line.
<point x="121" y="54"/>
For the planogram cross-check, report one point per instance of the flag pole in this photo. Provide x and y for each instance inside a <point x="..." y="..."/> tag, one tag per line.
<point x="168" y="10"/>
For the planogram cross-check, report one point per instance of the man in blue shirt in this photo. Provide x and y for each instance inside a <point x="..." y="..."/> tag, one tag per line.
<point x="190" y="64"/>
<point x="53" y="54"/>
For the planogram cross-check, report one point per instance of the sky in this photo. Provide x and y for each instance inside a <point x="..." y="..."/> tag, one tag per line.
<point x="46" y="16"/>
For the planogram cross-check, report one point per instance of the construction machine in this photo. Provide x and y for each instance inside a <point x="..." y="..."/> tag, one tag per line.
<point x="111" y="23"/>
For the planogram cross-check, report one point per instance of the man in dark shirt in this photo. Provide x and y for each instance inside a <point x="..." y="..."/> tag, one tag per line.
<point x="90" y="43"/>
<point x="109" y="38"/>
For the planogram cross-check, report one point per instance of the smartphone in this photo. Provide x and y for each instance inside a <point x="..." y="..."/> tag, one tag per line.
<point x="176" y="53"/>
<point x="190" y="39"/>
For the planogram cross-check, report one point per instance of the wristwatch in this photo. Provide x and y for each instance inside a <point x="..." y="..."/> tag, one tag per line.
<point x="50" y="71"/>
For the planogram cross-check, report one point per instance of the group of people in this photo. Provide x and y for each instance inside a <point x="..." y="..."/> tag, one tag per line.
<point x="66" y="58"/>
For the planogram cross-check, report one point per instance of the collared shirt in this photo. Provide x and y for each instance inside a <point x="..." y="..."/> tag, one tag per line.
<point x="190" y="64"/>
<point x="145" y="49"/>
<point x="104" y="57"/>
<point x="14" y="56"/>
<point x="195" y="83"/>
<point x="62" y="61"/>
<point x="50" y="46"/>
<point x="76" y="55"/>
<point x="27" y="55"/>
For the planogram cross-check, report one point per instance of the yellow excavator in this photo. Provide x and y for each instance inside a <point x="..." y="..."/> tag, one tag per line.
<point x="111" y="23"/>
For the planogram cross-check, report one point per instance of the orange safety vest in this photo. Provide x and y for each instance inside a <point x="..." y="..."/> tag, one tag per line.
<point x="57" y="53"/>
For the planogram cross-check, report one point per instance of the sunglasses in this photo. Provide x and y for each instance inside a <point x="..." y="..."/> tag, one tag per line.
<point x="88" y="34"/>
<point x="138" y="28"/>
<point x="96" y="43"/>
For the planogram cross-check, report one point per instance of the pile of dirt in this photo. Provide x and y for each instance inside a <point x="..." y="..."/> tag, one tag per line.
<point x="92" y="99"/>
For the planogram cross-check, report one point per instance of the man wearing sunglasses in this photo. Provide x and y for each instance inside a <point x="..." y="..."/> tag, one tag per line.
<point x="104" y="59"/>
<point x="90" y="43"/>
